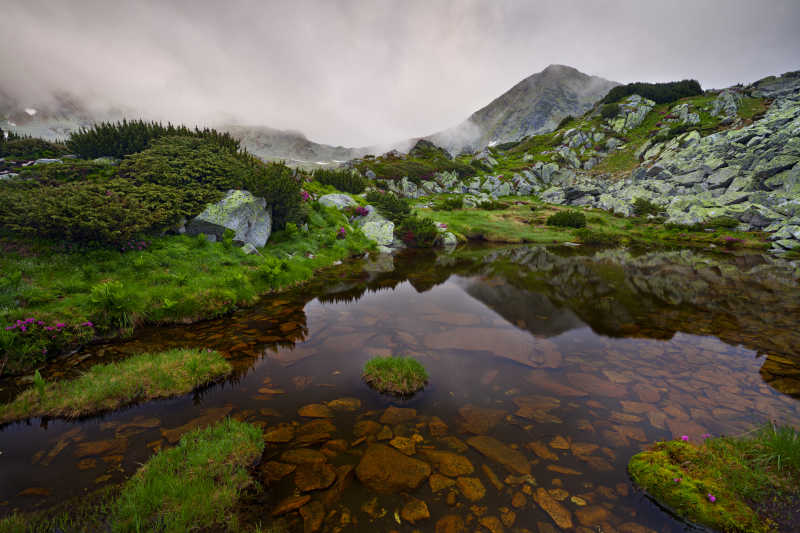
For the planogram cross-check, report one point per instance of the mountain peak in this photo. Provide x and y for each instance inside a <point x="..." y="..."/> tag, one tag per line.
<point x="534" y="105"/>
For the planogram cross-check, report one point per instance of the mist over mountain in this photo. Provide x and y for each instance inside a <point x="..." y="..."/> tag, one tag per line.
<point x="535" y="105"/>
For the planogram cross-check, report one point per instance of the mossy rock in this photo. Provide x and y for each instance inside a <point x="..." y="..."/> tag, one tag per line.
<point x="662" y="472"/>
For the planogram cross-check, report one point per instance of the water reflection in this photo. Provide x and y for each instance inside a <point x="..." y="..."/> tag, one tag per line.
<point x="574" y="360"/>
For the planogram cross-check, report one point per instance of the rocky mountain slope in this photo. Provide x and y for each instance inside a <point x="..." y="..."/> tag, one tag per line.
<point x="535" y="105"/>
<point x="732" y="155"/>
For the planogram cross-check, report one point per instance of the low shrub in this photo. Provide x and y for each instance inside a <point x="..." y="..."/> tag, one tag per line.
<point x="567" y="219"/>
<point x="418" y="232"/>
<point x="344" y="180"/>
<point x="111" y="306"/>
<point x="27" y="343"/>
<point x="111" y="212"/>
<point x="118" y="139"/>
<point x="448" y="204"/>
<point x="660" y="93"/>
<point x="492" y="205"/>
<point x="68" y="171"/>
<point x="643" y="207"/>
<point x="609" y="111"/>
<point x="565" y="121"/>
<point x="597" y="238"/>
<point x="390" y="205"/>
<point x="31" y="148"/>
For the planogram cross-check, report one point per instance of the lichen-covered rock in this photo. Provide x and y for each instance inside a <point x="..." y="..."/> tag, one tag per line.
<point x="239" y="211"/>
<point x="376" y="228"/>
<point x="337" y="200"/>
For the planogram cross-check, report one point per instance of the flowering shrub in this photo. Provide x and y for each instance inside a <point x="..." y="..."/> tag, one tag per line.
<point x="31" y="341"/>
<point x="305" y="196"/>
<point x="341" y="234"/>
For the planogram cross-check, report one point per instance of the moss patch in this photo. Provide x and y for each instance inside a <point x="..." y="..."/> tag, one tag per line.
<point x="741" y="484"/>
<point x="109" y="386"/>
<point x="395" y="375"/>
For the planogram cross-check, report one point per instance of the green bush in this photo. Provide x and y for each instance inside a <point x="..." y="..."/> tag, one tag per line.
<point x="565" y="121"/>
<point x="109" y="212"/>
<point x="448" y="204"/>
<point x="390" y="205"/>
<point x="660" y="93"/>
<point x="418" y="232"/>
<point x="598" y="238"/>
<point x="722" y="222"/>
<point x="343" y="179"/>
<point x="609" y="111"/>
<point x="68" y="171"/>
<point x="643" y="207"/>
<point x="31" y="148"/>
<point x="567" y="219"/>
<point x="193" y="161"/>
<point x="492" y="205"/>
<point x="118" y="139"/>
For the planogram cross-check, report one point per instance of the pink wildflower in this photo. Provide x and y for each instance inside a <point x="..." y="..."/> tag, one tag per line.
<point x="711" y="498"/>
<point x="685" y="438"/>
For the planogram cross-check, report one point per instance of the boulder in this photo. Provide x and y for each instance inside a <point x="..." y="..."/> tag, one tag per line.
<point x="337" y="200"/>
<point x="384" y="469"/>
<point x="376" y="228"/>
<point x="239" y="211"/>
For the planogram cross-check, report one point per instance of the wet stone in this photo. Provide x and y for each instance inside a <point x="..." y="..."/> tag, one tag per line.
<point x="314" y="476"/>
<point x="471" y="488"/>
<point x="404" y="444"/>
<point x="439" y="482"/>
<point x="280" y="434"/>
<point x="385" y="433"/>
<point x="303" y="456"/>
<point x="448" y="463"/>
<point x="560" y="514"/>
<point x="290" y="504"/>
<point x="365" y="427"/>
<point x="414" y="510"/>
<point x="313" y="515"/>
<point x="480" y="420"/>
<point x="450" y="524"/>
<point x="492" y="477"/>
<point x="559" y="443"/>
<point x="593" y="515"/>
<point x="500" y="453"/>
<point x="437" y="427"/>
<point x="384" y="469"/>
<point x="507" y="516"/>
<point x="492" y="523"/>
<point x="275" y="471"/>
<point x="541" y="450"/>
<point x="345" y="404"/>
<point x="315" y="410"/>
<point x="519" y="500"/>
<point x="397" y="415"/>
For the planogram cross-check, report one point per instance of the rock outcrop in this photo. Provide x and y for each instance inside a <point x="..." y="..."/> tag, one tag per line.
<point x="247" y="216"/>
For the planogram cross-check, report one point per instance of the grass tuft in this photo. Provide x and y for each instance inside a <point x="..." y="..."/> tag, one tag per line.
<point x="395" y="375"/>
<point x="110" y="386"/>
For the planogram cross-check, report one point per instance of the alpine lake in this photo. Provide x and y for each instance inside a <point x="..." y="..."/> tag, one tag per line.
<point x="549" y="368"/>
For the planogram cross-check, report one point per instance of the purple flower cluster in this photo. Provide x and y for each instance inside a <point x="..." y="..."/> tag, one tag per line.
<point x="341" y="234"/>
<point x="134" y="245"/>
<point x="361" y="211"/>
<point x="31" y="323"/>
<point x="305" y="196"/>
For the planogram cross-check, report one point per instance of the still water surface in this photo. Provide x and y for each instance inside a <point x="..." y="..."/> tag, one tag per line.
<point x="576" y="360"/>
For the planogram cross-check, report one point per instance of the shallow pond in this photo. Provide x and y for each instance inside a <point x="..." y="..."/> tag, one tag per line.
<point x="569" y="361"/>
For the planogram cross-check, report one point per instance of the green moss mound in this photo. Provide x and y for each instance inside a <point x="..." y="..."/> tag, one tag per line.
<point x="567" y="219"/>
<point x="732" y="484"/>
<point x="395" y="375"/>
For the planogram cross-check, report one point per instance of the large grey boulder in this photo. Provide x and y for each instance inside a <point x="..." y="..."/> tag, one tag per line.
<point x="376" y="228"/>
<point x="239" y="211"/>
<point x="339" y="201"/>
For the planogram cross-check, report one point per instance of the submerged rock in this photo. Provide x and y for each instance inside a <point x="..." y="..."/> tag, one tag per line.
<point x="500" y="453"/>
<point x="239" y="211"/>
<point x="384" y="469"/>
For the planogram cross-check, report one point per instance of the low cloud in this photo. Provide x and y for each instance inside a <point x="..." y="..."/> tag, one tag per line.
<point x="361" y="73"/>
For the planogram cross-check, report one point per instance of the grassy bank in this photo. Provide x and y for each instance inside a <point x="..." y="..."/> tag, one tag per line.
<point x="193" y="486"/>
<point x="524" y="219"/>
<point x="70" y="295"/>
<point x="741" y="484"/>
<point x="103" y="387"/>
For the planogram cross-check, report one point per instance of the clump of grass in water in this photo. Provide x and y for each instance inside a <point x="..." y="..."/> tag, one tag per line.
<point x="109" y="386"/>
<point x="748" y="483"/>
<point x="395" y="375"/>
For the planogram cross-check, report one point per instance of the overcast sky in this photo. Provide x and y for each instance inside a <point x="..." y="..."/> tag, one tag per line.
<point x="363" y="72"/>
